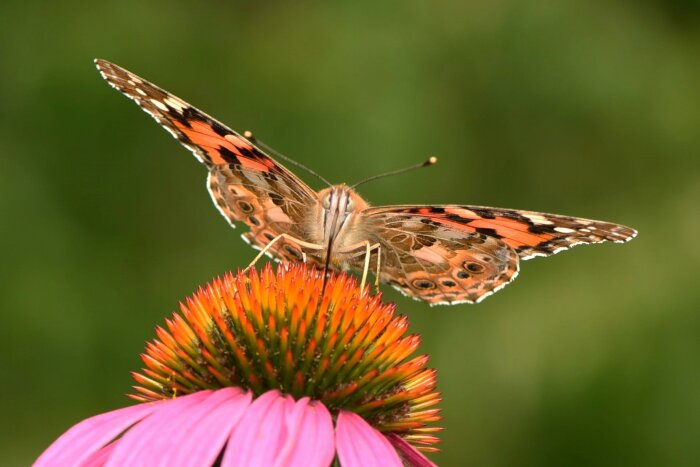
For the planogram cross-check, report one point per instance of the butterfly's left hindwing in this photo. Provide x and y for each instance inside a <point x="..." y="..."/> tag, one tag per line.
<point x="465" y="253"/>
<point x="436" y="263"/>
<point x="245" y="183"/>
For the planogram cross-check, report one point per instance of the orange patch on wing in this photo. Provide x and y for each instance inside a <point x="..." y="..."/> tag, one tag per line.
<point x="238" y="142"/>
<point x="513" y="232"/>
<point x="204" y="136"/>
<point x="251" y="164"/>
<point x="264" y="164"/>
<point x="511" y="223"/>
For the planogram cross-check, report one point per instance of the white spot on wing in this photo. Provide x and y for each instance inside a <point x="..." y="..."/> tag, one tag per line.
<point x="537" y="218"/>
<point x="175" y="103"/>
<point x="466" y="213"/>
<point x="160" y="105"/>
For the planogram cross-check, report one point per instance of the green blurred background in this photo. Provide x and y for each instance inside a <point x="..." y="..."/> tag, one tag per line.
<point x="587" y="108"/>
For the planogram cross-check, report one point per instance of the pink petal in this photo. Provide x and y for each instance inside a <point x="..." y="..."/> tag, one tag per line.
<point x="411" y="455"/>
<point x="200" y="440"/>
<point x="309" y="435"/>
<point x="86" y="438"/>
<point x="99" y="458"/>
<point x="359" y="444"/>
<point x="144" y="440"/>
<point x="259" y="436"/>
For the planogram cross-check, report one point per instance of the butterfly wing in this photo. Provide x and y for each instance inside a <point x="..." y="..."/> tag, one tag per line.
<point x="457" y="254"/>
<point x="435" y="262"/>
<point x="245" y="184"/>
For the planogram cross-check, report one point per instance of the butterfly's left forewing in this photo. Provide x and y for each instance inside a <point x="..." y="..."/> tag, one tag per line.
<point x="246" y="184"/>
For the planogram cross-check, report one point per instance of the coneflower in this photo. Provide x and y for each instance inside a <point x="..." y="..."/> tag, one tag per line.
<point x="260" y="369"/>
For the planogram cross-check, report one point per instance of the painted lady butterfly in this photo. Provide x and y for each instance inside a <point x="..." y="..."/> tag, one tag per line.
<point x="439" y="254"/>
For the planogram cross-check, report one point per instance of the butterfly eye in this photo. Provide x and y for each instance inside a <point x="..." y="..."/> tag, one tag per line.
<point x="350" y="206"/>
<point x="326" y="202"/>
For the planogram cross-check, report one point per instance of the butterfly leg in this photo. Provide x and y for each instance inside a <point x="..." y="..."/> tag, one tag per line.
<point x="368" y="256"/>
<point x="369" y="247"/>
<point x="379" y="262"/>
<point x="288" y="238"/>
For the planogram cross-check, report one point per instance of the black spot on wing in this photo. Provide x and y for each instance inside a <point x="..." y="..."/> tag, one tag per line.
<point x="245" y="206"/>
<point x="228" y="155"/>
<point x="424" y="240"/>
<point x="187" y="115"/>
<point x="178" y="117"/>
<point x="540" y="228"/>
<point x="270" y="176"/>
<point x="250" y="154"/>
<point x="276" y="198"/>
<point x="460" y="219"/>
<point x="219" y="129"/>
<point x="488" y="232"/>
<point x="484" y="213"/>
<point x="191" y="113"/>
<point x="423" y="284"/>
<point x="294" y="252"/>
<point x="473" y="267"/>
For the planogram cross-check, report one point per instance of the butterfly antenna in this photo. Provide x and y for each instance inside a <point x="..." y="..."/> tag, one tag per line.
<point x="432" y="160"/>
<point x="249" y="135"/>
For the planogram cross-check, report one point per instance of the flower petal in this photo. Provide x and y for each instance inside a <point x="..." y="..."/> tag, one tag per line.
<point x="200" y="440"/>
<point x="99" y="458"/>
<point x="309" y="439"/>
<point x="411" y="455"/>
<point x="144" y="440"/>
<point x="260" y="435"/>
<point x="359" y="444"/>
<point x="86" y="438"/>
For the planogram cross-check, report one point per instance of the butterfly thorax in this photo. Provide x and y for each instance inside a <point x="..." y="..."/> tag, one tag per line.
<point x="336" y="225"/>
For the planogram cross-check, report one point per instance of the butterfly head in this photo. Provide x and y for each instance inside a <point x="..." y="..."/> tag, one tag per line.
<point x="338" y="204"/>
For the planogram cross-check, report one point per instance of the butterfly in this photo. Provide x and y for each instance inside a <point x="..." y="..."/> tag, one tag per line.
<point x="444" y="254"/>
